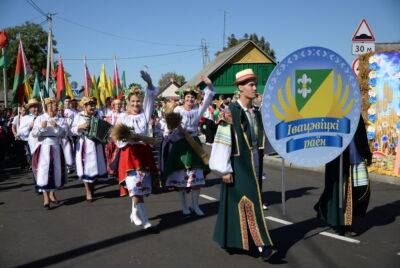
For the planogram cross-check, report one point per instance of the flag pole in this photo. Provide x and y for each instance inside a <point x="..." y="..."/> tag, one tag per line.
<point x="85" y="77"/>
<point x="3" y="51"/>
<point x="115" y="68"/>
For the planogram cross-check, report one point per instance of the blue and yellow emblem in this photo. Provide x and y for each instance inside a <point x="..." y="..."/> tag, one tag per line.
<point x="311" y="106"/>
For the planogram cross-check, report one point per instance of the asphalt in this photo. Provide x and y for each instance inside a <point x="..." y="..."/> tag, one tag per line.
<point x="99" y="234"/>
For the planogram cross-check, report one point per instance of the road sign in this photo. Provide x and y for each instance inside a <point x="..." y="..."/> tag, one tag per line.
<point x="356" y="63"/>
<point x="304" y="120"/>
<point x="363" y="33"/>
<point x="360" y="48"/>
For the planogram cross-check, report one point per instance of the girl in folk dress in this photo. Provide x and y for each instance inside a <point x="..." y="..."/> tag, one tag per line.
<point x="48" y="160"/>
<point x="136" y="161"/>
<point x="183" y="167"/>
<point x="89" y="154"/>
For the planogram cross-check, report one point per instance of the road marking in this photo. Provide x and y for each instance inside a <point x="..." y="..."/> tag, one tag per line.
<point x="335" y="236"/>
<point x="208" y="197"/>
<point x="339" y="237"/>
<point x="279" y="220"/>
<point x="343" y="238"/>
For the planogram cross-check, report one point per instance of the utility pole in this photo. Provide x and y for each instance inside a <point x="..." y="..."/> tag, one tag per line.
<point x="205" y="53"/>
<point x="223" y="34"/>
<point x="49" y="52"/>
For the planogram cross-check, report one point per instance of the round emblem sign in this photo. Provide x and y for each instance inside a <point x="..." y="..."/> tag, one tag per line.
<point x="311" y="106"/>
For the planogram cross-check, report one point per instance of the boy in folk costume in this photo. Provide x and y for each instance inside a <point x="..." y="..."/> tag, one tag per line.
<point x="48" y="163"/>
<point x="26" y="126"/>
<point x="89" y="153"/>
<point x="237" y="153"/>
<point x="134" y="156"/>
<point x="182" y="166"/>
<point x="356" y="193"/>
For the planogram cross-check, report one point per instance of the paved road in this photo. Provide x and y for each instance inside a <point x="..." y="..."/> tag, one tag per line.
<point x="99" y="234"/>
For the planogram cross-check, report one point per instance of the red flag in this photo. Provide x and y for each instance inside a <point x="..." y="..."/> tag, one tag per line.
<point x="18" y="87"/>
<point x="116" y="82"/>
<point x="22" y="73"/>
<point x="3" y="39"/>
<point x="87" y="82"/>
<point x="60" y="88"/>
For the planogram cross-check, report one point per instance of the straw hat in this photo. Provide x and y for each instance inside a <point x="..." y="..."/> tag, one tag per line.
<point x="32" y="102"/>
<point x="48" y="101"/>
<point x="85" y="100"/>
<point x="244" y="76"/>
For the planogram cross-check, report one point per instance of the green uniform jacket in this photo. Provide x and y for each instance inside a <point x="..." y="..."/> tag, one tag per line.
<point x="240" y="215"/>
<point x="355" y="199"/>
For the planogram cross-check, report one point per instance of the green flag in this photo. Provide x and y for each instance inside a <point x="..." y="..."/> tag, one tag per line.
<point x="123" y="81"/>
<point x="3" y="61"/>
<point x="36" y="88"/>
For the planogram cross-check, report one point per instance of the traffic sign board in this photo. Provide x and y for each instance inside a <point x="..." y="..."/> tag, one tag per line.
<point x="356" y="63"/>
<point x="360" y="48"/>
<point x="363" y="33"/>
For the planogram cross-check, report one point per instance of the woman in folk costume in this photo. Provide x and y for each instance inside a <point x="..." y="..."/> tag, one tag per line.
<point x="66" y="140"/>
<point x="136" y="162"/>
<point x="89" y="153"/>
<point x="356" y="188"/>
<point x="237" y="153"/>
<point x="48" y="162"/>
<point x="112" y="118"/>
<point x="183" y="167"/>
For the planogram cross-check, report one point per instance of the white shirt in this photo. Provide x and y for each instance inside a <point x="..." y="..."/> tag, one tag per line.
<point x="190" y="119"/>
<point x="24" y="126"/>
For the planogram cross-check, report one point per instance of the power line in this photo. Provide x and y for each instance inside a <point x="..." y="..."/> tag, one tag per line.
<point x="120" y="36"/>
<point x="38" y="9"/>
<point x="135" y="57"/>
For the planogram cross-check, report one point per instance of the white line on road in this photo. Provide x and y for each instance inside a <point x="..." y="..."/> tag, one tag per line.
<point x="208" y="197"/>
<point x="343" y="238"/>
<point x="278" y="220"/>
<point x="347" y="239"/>
<point x="339" y="237"/>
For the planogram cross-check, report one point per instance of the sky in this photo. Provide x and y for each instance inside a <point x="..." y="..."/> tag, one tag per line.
<point x="132" y="29"/>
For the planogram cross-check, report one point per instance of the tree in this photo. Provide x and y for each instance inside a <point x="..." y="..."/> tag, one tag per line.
<point x="259" y="41"/>
<point x="171" y="76"/>
<point x="34" y="39"/>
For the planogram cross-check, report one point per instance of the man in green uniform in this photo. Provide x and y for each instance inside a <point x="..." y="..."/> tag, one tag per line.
<point x="237" y="153"/>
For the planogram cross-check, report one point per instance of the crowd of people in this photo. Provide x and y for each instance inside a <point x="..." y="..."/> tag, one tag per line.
<point x="55" y="138"/>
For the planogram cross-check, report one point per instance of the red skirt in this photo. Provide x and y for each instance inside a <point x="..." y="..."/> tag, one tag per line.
<point x="135" y="157"/>
<point x="109" y="150"/>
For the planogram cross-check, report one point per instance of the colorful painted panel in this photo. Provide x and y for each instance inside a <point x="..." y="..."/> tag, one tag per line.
<point x="384" y="112"/>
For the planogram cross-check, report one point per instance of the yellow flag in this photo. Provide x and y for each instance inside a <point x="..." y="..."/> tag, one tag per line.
<point x="28" y="89"/>
<point x="68" y="89"/>
<point x="109" y="87"/>
<point x="103" y="85"/>
<point x="95" y="91"/>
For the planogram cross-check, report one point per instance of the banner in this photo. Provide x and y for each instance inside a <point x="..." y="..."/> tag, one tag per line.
<point x="383" y="129"/>
<point x="311" y="106"/>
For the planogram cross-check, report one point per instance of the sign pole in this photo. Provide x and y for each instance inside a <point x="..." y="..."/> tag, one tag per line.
<point x="283" y="188"/>
<point x="341" y="182"/>
<point x="3" y="51"/>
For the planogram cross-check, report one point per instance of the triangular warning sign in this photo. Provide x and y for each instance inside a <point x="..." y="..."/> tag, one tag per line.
<point x="363" y="33"/>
